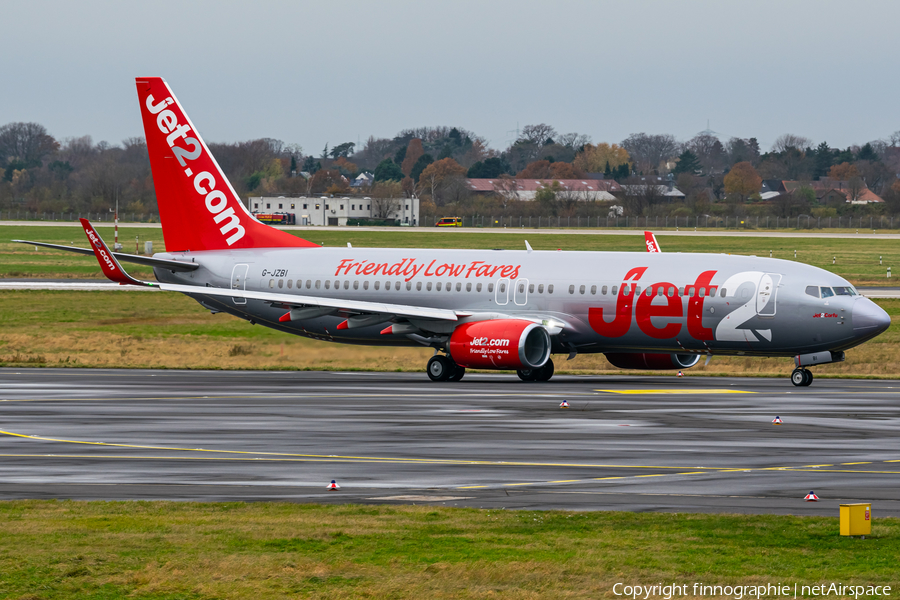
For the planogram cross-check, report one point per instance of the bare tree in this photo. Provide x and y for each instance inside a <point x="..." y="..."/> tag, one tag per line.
<point x="788" y="141"/>
<point x="386" y="198"/>
<point x="573" y="140"/>
<point x="649" y="151"/>
<point x="856" y="187"/>
<point x="537" y="134"/>
<point x="26" y="142"/>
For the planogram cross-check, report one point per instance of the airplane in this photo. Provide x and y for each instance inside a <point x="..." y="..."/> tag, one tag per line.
<point x="478" y="309"/>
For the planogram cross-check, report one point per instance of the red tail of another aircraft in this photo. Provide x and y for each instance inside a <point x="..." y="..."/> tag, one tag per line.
<point x="197" y="205"/>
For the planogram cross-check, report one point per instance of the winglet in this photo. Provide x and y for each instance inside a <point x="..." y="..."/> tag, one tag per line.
<point x="528" y="247"/>
<point x="111" y="267"/>
<point x="650" y="240"/>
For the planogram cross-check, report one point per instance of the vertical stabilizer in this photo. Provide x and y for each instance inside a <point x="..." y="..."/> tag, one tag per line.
<point x="197" y="205"/>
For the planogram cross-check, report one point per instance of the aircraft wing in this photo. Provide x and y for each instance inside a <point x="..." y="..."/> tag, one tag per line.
<point x="358" y="313"/>
<point x="148" y="261"/>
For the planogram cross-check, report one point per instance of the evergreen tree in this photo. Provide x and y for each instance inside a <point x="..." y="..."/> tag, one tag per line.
<point x="607" y="172"/>
<point x="823" y="160"/>
<point x="867" y="153"/>
<point x="293" y="165"/>
<point x="400" y="156"/>
<point x="420" y="165"/>
<point x="388" y="170"/>
<point x="687" y="163"/>
<point x="489" y="169"/>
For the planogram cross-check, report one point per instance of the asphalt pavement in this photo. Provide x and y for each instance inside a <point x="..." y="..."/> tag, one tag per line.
<point x="692" y="444"/>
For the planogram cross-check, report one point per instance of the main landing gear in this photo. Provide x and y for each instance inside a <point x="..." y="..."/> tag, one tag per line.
<point x="801" y="377"/>
<point x="542" y="374"/>
<point x="442" y="368"/>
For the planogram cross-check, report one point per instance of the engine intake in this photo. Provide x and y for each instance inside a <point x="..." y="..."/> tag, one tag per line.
<point x="500" y="344"/>
<point x="652" y="362"/>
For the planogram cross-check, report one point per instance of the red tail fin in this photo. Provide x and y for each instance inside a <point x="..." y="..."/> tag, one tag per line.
<point x="197" y="205"/>
<point x="650" y="241"/>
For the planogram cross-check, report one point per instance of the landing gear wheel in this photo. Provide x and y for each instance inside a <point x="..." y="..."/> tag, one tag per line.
<point x="545" y="372"/>
<point x="526" y="374"/>
<point x="801" y="377"/>
<point x="457" y="374"/>
<point x="440" y="368"/>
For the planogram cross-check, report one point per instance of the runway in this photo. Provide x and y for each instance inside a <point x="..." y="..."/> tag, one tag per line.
<point x="694" y="444"/>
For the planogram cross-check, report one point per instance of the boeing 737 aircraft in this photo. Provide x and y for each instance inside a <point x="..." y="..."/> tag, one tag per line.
<point x="482" y="309"/>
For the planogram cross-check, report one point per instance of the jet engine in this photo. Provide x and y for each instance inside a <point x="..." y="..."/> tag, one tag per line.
<point x="652" y="362"/>
<point x="500" y="344"/>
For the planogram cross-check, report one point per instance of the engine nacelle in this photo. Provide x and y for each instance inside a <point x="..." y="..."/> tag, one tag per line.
<point x="652" y="362"/>
<point x="500" y="344"/>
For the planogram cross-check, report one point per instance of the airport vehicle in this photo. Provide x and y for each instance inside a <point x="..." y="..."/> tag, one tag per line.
<point x="484" y="309"/>
<point x="449" y="222"/>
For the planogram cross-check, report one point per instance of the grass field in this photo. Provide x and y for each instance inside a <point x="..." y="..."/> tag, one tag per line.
<point x="164" y="551"/>
<point x="857" y="260"/>
<point x="167" y="330"/>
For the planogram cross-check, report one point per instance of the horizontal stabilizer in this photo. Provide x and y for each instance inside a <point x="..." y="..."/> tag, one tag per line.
<point x="147" y="261"/>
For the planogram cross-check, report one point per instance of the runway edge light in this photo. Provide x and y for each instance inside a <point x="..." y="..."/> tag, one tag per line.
<point x="777" y="420"/>
<point x="564" y="404"/>
<point x="811" y="497"/>
<point x="333" y="485"/>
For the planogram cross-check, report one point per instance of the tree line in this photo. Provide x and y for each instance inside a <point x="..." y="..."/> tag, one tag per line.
<point x="43" y="174"/>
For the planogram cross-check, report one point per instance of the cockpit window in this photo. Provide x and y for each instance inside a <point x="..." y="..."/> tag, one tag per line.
<point x="827" y="293"/>
<point x="812" y="290"/>
<point x="843" y="291"/>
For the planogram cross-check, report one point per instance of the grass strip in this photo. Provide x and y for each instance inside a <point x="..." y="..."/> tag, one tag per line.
<point x="167" y="550"/>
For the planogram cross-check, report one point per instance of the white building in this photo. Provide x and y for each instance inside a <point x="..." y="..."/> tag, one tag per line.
<point x="337" y="211"/>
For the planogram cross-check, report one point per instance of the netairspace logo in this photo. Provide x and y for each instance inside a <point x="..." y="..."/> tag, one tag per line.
<point x="739" y="592"/>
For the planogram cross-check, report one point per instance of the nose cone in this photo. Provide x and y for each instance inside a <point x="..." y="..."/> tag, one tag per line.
<point x="869" y="318"/>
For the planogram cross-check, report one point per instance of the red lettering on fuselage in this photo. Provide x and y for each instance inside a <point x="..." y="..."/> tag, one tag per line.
<point x="643" y="310"/>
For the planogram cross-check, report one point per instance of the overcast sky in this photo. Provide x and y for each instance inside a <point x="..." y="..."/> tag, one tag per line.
<point x="339" y="71"/>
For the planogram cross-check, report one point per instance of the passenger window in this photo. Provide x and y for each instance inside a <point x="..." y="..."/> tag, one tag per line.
<point x="593" y="290"/>
<point x="449" y="286"/>
<point x="318" y="283"/>
<point x="290" y="282"/>
<point x="337" y="284"/>
<point x="702" y="292"/>
<point x="671" y="292"/>
<point x="541" y="288"/>
<point x="365" y="285"/>
<point x="490" y="287"/>
<point x="723" y="292"/>
<point x="581" y="289"/>
<point x="477" y="287"/>
<point x="377" y="284"/>
<point x="637" y="291"/>
<point x="648" y="292"/>
<point x="458" y="287"/>
<point x="428" y="286"/>
<point x="347" y="285"/>
<point x="408" y="285"/>
<point x="387" y="285"/>
<point x="550" y="289"/>
<point x="438" y="286"/>
<point x="603" y="290"/>
<point x="571" y="289"/>
<point x="521" y="288"/>
<point x="271" y="283"/>
<point x="468" y="287"/>
<point x="531" y="288"/>
<point x="418" y="286"/>
<point x="327" y="285"/>
<point x="615" y="289"/>
<point x="308" y="283"/>
<point x="280" y="283"/>
<point x="690" y="292"/>
<point x="502" y="287"/>
<point x="827" y="292"/>
<point x="681" y="291"/>
<point x="356" y="285"/>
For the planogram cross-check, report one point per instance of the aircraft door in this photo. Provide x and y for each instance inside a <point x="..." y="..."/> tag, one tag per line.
<point x="239" y="281"/>
<point x="501" y="293"/>
<point x="520" y="293"/>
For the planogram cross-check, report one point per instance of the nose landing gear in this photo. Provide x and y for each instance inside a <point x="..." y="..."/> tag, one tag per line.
<point x="801" y="377"/>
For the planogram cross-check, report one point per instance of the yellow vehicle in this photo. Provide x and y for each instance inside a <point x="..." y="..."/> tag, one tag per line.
<point x="449" y="222"/>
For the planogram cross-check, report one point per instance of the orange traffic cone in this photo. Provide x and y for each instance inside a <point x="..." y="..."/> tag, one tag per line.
<point x="811" y="497"/>
<point x="333" y="486"/>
